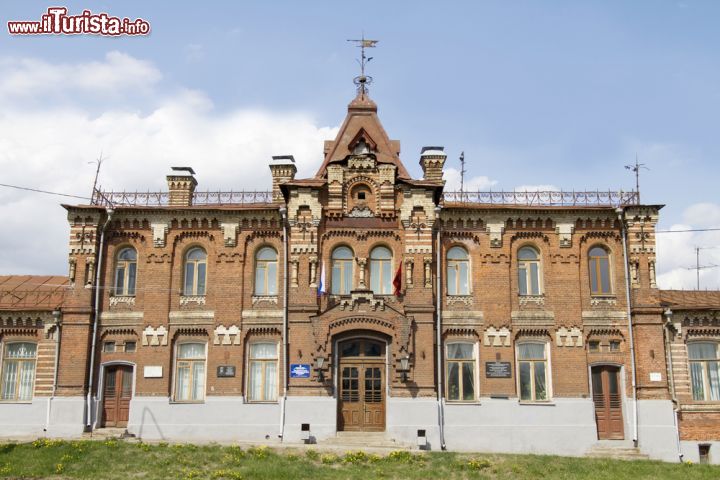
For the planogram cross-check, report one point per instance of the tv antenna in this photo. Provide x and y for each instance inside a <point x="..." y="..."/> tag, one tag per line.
<point x="462" y="172"/>
<point x="636" y="168"/>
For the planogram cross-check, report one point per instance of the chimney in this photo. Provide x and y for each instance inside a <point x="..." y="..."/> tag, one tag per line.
<point x="181" y="184"/>
<point x="432" y="160"/>
<point x="282" y="168"/>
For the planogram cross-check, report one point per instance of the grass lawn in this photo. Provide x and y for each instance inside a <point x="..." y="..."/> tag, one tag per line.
<point x="117" y="459"/>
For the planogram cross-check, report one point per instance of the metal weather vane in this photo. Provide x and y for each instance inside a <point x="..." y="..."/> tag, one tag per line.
<point x="363" y="80"/>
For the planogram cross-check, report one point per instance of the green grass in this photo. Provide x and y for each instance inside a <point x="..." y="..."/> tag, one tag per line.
<point x="117" y="459"/>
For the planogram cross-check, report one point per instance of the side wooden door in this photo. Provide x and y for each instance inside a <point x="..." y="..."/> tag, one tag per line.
<point x="117" y="392"/>
<point x="608" y="402"/>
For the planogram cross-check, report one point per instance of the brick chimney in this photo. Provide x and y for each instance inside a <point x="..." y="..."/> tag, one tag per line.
<point x="181" y="184"/>
<point x="432" y="160"/>
<point x="283" y="169"/>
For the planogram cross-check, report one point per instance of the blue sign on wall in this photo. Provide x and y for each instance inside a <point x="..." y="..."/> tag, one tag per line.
<point x="299" y="370"/>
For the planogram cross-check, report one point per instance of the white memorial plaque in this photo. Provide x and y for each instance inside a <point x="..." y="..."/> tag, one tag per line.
<point x="153" y="371"/>
<point x="655" y="377"/>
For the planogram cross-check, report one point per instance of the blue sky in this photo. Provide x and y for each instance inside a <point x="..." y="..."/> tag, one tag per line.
<point x="560" y="94"/>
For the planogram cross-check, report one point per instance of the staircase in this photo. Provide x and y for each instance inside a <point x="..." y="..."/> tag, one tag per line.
<point x="108" y="433"/>
<point x="619" y="450"/>
<point x="363" y="441"/>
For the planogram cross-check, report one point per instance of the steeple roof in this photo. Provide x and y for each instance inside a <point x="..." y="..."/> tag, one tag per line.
<point x="360" y="123"/>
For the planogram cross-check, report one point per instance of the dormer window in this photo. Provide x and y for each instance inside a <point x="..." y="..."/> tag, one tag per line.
<point x="361" y="148"/>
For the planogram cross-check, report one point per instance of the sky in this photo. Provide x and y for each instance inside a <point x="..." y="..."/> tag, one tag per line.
<point x="539" y="95"/>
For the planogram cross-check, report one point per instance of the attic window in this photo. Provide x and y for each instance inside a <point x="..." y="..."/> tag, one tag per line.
<point x="361" y="148"/>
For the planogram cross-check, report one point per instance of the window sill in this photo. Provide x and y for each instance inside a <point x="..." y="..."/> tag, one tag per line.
<point x="466" y="300"/>
<point x="262" y="402"/>
<point x="598" y="300"/>
<point x="540" y="403"/>
<point x="462" y="402"/>
<point x="532" y="299"/>
<point x="16" y="402"/>
<point x="187" y="402"/>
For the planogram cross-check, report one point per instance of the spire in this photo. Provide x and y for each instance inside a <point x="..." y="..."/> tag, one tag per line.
<point x="363" y="80"/>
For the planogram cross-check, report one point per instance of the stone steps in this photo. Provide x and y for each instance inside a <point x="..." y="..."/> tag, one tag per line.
<point x="109" y="433"/>
<point x="616" y="452"/>
<point x="362" y="440"/>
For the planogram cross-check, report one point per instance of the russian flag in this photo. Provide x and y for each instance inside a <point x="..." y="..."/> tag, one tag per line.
<point x="321" y="286"/>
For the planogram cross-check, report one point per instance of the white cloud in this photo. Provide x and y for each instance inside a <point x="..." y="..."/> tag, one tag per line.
<point x="472" y="184"/>
<point x="33" y="78"/>
<point x="50" y="148"/>
<point x="676" y="251"/>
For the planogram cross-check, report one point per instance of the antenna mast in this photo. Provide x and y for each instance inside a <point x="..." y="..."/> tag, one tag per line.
<point x="462" y="172"/>
<point x="99" y="162"/>
<point x="636" y="168"/>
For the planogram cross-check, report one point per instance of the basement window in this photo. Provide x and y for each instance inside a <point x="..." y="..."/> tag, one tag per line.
<point x="704" y="451"/>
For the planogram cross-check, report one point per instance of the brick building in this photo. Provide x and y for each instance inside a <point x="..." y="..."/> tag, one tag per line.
<point x="365" y="300"/>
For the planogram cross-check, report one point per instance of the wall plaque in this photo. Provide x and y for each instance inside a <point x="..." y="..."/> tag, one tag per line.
<point x="498" y="370"/>
<point x="300" y="370"/>
<point x="225" y="371"/>
<point x="152" y="371"/>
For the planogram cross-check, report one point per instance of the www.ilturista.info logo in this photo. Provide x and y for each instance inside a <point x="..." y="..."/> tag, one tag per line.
<point x="57" y="22"/>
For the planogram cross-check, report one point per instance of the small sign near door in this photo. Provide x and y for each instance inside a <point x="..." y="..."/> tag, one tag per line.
<point x="300" y="370"/>
<point x="498" y="370"/>
<point x="152" y="371"/>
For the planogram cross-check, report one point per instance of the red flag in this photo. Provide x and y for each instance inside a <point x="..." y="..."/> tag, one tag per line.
<point x="397" y="281"/>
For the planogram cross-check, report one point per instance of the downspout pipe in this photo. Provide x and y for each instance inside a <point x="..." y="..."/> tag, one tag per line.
<point x="623" y="234"/>
<point x="57" y="315"/>
<point x="671" y="377"/>
<point x="96" y="318"/>
<point x="286" y="365"/>
<point x="438" y="329"/>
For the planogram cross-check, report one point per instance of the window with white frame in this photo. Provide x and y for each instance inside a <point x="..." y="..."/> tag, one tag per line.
<point x="18" y="371"/>
<point x="125" y="272"/>
<point x="342" y="270"/>
<point x="529" y="272"/>
<point x="599" y="270"/>
<point x="460" y="362"/>
<point x="458" y="271"/>
<point x="190" y="372"/>
<point x="266" y="271"/>
<point x="263" y="372"/>
<point x="195" y="272"/>
<point x="704" y="358"/>
<point x="533" y="376"/>
<point x="381" y="271"/>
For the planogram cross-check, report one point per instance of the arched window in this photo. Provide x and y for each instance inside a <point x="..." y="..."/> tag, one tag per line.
<point x="342" y="270"/>
<point x="125" y="272"/>
<point x="381" y="271"/>
<point x="266" y="271"/>
<point x="704" y="360"/>
<point x="458" y="272"/>
<point x="528" y="271"/>
<point x="18" y="371"/>
<point x="599" y="271"/>
<point x="195" y="271"/>
<point x="190" y="372"/>
<point x="460" y="360"/>
<point x="263" y="377"/>
<point x="533" y="373"/>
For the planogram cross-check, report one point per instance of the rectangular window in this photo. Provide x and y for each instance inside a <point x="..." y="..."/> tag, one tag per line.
<point x="704" y="358"/>
<point x="109" y="347"/>
<point x="120" y="280"/>
<point x="189" y="277"/>
<point x="130" y="347"/>
<point x="190" y="372"/>
<point x="460" y="372"/>
<point x="614" y="345"/>
<point x="533" y="374"/>
<point x="18" y="371"/>
<point x="263" y="372"/>
<point x="594" y="346"/>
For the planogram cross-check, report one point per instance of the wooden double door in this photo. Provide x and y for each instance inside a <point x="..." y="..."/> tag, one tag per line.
<point x="117" y="392"/>
<point x="361" y="386"/>
<point x="607" y="398"/>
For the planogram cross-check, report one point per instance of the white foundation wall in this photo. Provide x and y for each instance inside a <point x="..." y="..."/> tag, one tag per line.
<point x="691" y="452"/>
<point x="31" y="419"/>
<point x="216" y="419"/>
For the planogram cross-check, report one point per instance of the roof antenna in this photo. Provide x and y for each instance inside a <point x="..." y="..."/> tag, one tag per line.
<point x="462" y="171"/>
<point x="95" y="193"/>
<point x="636" y="168"/>
<point x="363" y="81"/>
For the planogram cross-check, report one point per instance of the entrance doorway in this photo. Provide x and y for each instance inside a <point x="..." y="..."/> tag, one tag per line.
<point x="608" y="402"/>
<point x="117" y="392"/>
<point x="361" y="385"/>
